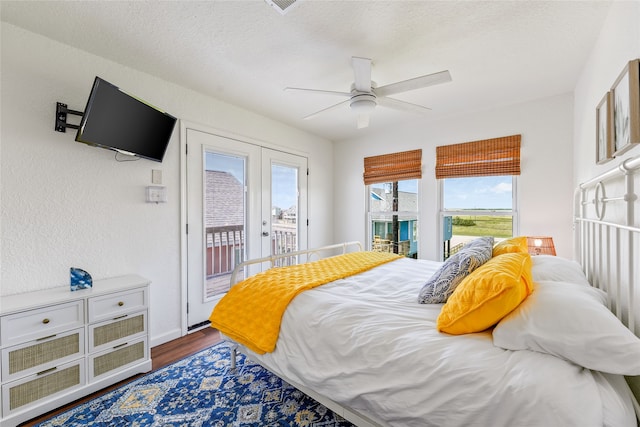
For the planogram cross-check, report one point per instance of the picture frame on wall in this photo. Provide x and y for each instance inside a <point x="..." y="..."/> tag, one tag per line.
<point x="626" y="108"/>
<point x="604" y="129"/>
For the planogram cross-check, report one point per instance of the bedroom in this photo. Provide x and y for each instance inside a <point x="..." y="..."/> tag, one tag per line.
<point x="66" y="205"/>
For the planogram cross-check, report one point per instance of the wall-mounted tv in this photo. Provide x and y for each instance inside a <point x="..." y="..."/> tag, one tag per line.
<point x="117" y="121"/>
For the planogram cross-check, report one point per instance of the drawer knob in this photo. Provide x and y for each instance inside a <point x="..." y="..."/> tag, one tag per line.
<point x="120" y="303"/>
<point x="45" y="321"/>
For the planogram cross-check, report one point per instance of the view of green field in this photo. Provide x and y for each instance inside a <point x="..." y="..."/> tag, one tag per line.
<point x="480" y="225"/>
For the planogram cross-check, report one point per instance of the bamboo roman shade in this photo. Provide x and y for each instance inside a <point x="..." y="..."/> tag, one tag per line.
<point x="488" y="157"/>
<point x="393" y="167"/>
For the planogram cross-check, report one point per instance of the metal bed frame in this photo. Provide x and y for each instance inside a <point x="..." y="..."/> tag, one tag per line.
<point x="607" y="245"/>
<point x="272" y="259"/>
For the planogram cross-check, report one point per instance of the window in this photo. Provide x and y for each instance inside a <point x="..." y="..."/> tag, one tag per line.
<point x="391" y="183"/>
<point x="478" y="206"/>
<point x="393" y="217"/>
<point x="478" y="188"/>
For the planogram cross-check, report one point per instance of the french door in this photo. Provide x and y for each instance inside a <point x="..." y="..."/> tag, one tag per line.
<point x="244" y="201"/>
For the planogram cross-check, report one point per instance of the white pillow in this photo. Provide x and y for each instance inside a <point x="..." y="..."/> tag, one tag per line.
<point x="549" y="267"/>
<point x="570" y="321"/>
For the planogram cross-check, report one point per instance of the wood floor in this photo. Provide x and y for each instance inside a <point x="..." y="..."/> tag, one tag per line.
<point x="161" y="356"/>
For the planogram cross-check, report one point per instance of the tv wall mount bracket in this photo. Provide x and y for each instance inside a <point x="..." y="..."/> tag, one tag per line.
<point x="61" y="117"/>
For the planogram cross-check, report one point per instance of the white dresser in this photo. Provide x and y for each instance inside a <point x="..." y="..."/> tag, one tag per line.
<point x="58" y="346"/>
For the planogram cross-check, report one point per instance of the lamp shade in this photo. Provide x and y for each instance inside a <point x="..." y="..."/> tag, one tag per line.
<point x="541" y="245"/>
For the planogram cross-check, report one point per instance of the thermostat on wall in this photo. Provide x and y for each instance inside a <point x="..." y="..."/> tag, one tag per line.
<point x="156" y="194"/>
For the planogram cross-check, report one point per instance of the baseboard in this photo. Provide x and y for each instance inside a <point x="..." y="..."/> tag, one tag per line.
<point x="166" y="337"/>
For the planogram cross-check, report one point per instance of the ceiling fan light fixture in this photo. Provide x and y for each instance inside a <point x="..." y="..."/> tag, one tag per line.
<point x="282" y="6"/>
<point x="363" y="104"/>
<point x="365" y="94"/>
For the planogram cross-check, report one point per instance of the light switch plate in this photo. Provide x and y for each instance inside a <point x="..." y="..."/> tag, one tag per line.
<point x="156" y="176"/>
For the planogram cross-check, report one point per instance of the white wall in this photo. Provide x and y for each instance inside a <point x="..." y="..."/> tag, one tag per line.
<point x="619" y="42"/>
<point x="545" y="185"/>
<point x="65" y="204"/>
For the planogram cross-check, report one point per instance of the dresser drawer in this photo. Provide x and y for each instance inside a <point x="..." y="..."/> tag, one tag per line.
<point x="40" y="323"/>
<point x="110" y="306"/>
<point x="31" y="390"/>
<point x="40" y="355"/>
<point x="118" y="358"/>
<point x="111" y="333"/>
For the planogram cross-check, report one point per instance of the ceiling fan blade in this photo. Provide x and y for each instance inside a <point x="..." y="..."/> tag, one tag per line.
<point x="363" y="121"/>
<point x="333" y="107"/>
<point x="318" y="91"/>
<point x="362" y="74"/>
<point x="402" y="105"/>
<point x="415" y="83"/>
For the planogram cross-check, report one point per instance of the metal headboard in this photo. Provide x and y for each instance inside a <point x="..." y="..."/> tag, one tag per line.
<point x="607" y="244"/>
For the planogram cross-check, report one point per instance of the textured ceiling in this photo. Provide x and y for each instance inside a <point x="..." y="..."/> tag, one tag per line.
<point x="245" y="52"/>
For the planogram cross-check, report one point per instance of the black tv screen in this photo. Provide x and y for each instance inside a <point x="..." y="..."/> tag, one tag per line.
<point x="115" y="120"/>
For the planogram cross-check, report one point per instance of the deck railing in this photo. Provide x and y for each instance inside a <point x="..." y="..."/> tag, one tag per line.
<point x="225" y="247"/>
<point x="284" y="241"/>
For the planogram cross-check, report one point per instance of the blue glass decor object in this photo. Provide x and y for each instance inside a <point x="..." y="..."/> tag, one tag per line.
<point x="80" y="279"/>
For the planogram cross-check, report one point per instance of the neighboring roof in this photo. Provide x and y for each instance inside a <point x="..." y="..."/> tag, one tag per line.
<point x="382" y="201"/>
<point x="224" y="200"/>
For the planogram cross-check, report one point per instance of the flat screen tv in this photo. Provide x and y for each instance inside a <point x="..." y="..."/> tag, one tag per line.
<point x="117" y="121"/>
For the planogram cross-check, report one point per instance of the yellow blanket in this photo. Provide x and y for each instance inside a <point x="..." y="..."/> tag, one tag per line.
<point x="252" y="310"/>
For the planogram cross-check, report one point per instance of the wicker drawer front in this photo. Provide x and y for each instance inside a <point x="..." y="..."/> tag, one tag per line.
<point x="36" y="356"/>
<point x="108" y="334"/>
<point x="17" y="395"/>
<point x="40" y="323"/>
<point x="117" y="358"/>
<point x="111" y="306"/>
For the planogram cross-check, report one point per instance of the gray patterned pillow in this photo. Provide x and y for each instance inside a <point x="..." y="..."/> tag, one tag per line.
<point x="444" y="281"/>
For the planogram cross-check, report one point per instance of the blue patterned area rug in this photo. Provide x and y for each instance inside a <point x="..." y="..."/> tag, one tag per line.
<point x="202" y="390"/>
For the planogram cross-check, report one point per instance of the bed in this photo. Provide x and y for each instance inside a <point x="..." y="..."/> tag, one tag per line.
<point x="364" y="347"/>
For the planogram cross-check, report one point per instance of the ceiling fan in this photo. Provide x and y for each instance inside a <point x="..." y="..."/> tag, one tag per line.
<point x="365" y="95"/>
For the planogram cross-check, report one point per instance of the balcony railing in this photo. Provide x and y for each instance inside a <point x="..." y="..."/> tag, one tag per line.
<point x="225" y="250"/>
<point x="283" y="241"/>
<point x="386" y="245"/>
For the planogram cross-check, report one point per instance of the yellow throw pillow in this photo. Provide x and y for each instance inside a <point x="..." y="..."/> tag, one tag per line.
<point x="515" y="244"/>
<point x="488" y="294"/>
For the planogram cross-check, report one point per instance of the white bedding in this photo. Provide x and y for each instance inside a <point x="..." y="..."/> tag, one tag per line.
<point x="367" y="344"/>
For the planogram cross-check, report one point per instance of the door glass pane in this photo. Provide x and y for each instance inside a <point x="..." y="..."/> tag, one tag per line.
<point x="224" y="217"/>
<point x="393" y="213"/>
<point x="284" y="211"/>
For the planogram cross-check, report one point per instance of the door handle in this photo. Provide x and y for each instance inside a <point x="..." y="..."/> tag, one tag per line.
<point x="265" y="234"/>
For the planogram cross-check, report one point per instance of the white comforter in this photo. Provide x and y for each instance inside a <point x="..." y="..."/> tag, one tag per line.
<point x="367" y="344"/>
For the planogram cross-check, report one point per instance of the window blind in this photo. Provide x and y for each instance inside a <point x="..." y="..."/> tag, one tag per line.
<point x="393" y="167"/>
<point x="488" y="157"/>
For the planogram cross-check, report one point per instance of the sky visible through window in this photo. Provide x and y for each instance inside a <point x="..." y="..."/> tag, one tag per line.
<point x="224" y="163"/>
<point x="284" y="186"/>
<point x="484" y="192"/>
